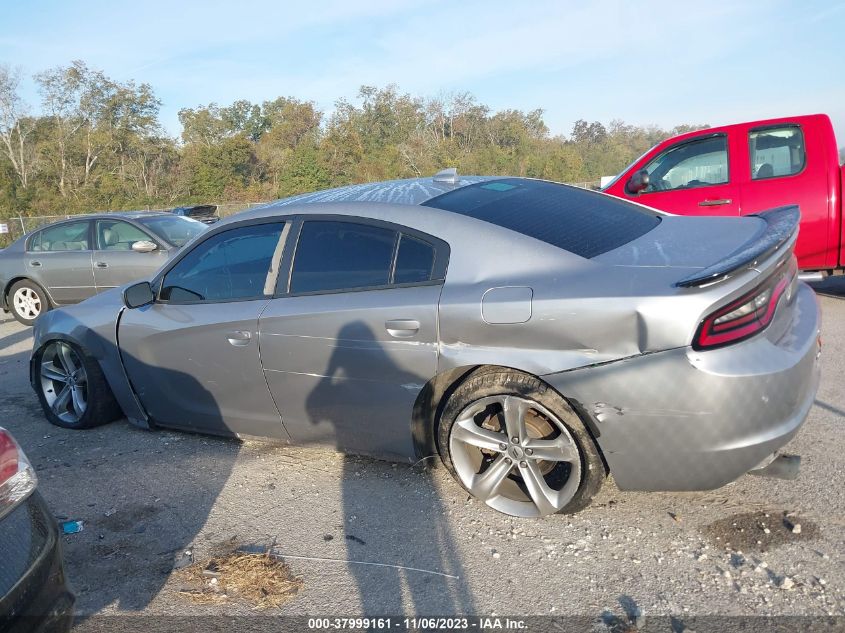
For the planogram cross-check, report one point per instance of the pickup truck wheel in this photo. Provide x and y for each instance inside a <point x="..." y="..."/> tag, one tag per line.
<point x="71" y="387"/>
<point x="27" y="300"/>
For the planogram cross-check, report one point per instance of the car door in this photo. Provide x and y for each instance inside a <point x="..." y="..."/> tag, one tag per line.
<point x="115" y="263"/>
<point x="58" y="258"/>
<point x="192" y="355"/>
<point x="692" y="177"/>
<point x="777" y="172"/>
<point x="350" y="344"/>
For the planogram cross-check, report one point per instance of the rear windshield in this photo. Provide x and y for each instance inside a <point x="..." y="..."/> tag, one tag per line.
<point x="577" y="220"/>
<point x="174" y="228"/>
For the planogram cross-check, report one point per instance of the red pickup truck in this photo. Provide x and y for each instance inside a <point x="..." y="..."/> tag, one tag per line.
<point x="747" y="168"/>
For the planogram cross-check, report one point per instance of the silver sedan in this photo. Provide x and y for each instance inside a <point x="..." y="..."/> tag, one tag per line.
<point x="74" y="259"/>
<point x="535" y="336"/>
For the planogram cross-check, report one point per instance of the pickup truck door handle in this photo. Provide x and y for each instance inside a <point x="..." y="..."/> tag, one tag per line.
<point x="714" y="203"/>
<point x="239" y="338"/>
<point x="101" y="265"/>
<point x="402" y="328"/>
<point x="35" y="263"/>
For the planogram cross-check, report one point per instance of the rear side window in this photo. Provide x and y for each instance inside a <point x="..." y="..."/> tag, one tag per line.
<point x="342" y="256"/>
<point x="63" y="237"/>
<point x="776" y="151"/>
<point x="579" y="221"/>
<point x="414" y="261"/>
<point x="230" y="266"/>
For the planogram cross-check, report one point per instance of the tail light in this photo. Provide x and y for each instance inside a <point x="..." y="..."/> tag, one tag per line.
<point x="749" y="314"/>
<point x="17" y="476"/>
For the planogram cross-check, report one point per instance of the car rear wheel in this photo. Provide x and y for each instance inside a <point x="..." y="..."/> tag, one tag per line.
<point x="72" y="388"/>
<point x="518" y="446"/>
<point x="27" y="300"/>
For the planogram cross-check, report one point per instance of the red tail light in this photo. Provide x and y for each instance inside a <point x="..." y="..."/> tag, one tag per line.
<point x="749" y="314"/>
<point x="17" y="477"/>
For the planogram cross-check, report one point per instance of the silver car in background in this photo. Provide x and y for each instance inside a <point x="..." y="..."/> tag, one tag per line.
<point x="74" y="259"/>
<point x="533" y="335"/>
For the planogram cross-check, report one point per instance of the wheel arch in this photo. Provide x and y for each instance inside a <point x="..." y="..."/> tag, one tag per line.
<point x="8" y="289"/>
<point x="430" y="402"/>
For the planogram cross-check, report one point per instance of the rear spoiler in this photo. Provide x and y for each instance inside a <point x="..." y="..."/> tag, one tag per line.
<point x="781" y="225"/>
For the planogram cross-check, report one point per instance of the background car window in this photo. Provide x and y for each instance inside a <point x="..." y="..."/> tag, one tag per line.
<point x="63" y="237"/>
<point x="776" y="152"/>
<point x="342" y="255"/>
<point x="116" y="235"/>
<point x="174" y="229"/>
<point x="690" y="164"/>
<point x="232" y="265"/>
<point x="414" y="261"/>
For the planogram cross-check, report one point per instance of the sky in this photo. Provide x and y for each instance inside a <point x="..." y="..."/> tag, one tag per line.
<point x="647" y="62"/>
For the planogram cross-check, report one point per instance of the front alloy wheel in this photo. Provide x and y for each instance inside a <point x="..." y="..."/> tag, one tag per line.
<point x="64" y="382"/>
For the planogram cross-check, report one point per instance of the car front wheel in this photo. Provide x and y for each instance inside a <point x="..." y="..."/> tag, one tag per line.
<point x="27" y="300"/>
<point x="72" y="388"/>
<point x="517" y="445"/>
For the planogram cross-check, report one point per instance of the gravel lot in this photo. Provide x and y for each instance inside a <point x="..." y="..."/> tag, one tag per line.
<point x="147" y="497"/>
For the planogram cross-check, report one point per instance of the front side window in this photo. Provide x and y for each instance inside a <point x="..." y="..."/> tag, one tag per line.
<point x="117" y="235"/>
<point x="776" y="151"/>
<point x="232" y="265"/>
<point x="72" y="236"/>
<point x="342" y="256"/>
<point x="697" y="163"/>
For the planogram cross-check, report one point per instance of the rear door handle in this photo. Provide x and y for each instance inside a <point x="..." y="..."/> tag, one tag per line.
<point x="239" y="338"/>
<point x="36" y="263"/>
<point x="101" y="265"/>
<point x="402" y="328"/>
<point x="714" y="203"/>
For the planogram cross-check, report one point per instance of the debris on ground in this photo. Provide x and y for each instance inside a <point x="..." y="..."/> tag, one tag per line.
<point x="260" y="580"/>
<point x="71" y="527"/>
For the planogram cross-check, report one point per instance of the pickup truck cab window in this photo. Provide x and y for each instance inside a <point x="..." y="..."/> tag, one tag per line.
<point x="697" y="163"/>
<point x="776" y="151"/>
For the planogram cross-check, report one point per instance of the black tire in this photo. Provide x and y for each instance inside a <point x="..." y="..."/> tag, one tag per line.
<point x="497" y="382"/>
<point x="101" y="407"/>
<point x="25" y="285"/>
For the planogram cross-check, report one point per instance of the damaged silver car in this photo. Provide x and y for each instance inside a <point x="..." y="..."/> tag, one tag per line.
<point x="533" y="335"/>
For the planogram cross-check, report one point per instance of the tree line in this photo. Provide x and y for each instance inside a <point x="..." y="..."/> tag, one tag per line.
<point x="97" y="143"/>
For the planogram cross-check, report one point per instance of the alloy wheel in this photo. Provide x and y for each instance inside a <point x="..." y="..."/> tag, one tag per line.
<point x="27" y="303"/>
<point x="64" y="381"/>
<point x="515" y="455"/>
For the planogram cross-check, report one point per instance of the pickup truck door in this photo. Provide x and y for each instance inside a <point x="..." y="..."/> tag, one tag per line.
<point x="784" y="164"/>
<point x="691" y="177"/>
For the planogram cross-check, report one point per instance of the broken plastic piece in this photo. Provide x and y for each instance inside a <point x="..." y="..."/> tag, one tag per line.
<point x="70" y="527"/>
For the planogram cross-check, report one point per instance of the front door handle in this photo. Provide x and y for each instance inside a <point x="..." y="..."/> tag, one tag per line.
<point x="239" y="338"/>
<point x="35" y="263"/>
<point x="402" y="328"/>
<point x="714" y="203"/>
<point x="101" y="265"/>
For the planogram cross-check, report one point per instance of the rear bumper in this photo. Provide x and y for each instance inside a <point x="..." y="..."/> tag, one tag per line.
<point x="34" y="597"/>
<point x="686" y="420"/>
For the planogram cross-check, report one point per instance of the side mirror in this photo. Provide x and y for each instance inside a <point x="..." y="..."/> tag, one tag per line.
<point x="138" y="295"/>
<point x="144" y="246"/>
<point x="637" y="182"/>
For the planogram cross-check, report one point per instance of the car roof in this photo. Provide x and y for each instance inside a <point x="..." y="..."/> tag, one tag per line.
<point x="409" y="191"/>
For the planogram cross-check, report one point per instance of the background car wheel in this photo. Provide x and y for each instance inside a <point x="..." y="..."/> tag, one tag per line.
<point x="27" y="300"/>
<point x="72" y="388"/>
<point x="518" y="446"/>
